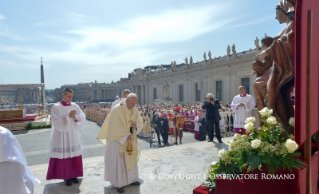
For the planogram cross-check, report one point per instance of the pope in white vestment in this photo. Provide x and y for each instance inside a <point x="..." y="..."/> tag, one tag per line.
<point x="117" y="133"/>
<point x="15" y="177"/>
<point x="242" y="105"/>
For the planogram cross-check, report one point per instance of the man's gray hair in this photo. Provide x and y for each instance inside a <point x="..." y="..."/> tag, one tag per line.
<point x="126" y="91"/>
<point x="66" y="90"/>
<point x="209" y="95"/>
<point x="131" y="95"/>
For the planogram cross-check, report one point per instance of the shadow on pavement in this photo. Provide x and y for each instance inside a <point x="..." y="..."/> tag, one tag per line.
<point x="131" y="189"/>
<point x="61" y="188"/>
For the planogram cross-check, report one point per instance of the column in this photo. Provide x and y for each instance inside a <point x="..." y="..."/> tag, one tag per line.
<point x="147" y="100"/>
<point x="190" y="93"/>
<point x="233" y="88"/>
<point x="175" y="100"/>
<point x="142" y="94"/>
<point x="185" y="99"/>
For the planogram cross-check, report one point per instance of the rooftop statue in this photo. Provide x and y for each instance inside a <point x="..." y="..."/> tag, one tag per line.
<point x="233" y="48"/>
<point x="210" y="55"/>
<point x="257" y="43"/>
<point x="228" y="50"/>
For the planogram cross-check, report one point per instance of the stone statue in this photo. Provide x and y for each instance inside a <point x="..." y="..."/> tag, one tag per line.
<point x="175" y="63"/>
<point x="257" y="43"/>
<point x="210" y="55"/>
<point x="265" y="35"/>
<point x="228" y="50"/>
<point x="191" y="60"/>
<point x="233" y="48"/>
<point x="205" y="59"/>
<point x="186" y="61"/>
<point x="166" y="91"/>
<point x="275" y="69"/>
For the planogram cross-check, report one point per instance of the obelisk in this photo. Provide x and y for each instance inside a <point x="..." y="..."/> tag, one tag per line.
<point x="43" y="88"/>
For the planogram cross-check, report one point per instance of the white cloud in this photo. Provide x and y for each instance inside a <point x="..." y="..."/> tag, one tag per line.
<point x="170" y="26"/>
<point x="77" y="18"/>
<point x="4" y="31"/>
<point x="254" y="22"/>
<point x="2" y="17"/>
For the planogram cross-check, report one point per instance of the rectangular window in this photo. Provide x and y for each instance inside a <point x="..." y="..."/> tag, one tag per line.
<point x="181" y="93"/>
<point x="154" y="94"/>
<point x="197" y="93"/>
<point x="246" y="83"/>
<point x="219" y="90"/>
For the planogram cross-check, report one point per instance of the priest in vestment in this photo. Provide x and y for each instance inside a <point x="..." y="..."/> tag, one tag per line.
<point x="15" y="176"/>
<point x="118" y="101"/>
<point x="242" y="105"/>
<point x="65" y="145"/>
<point x="146" y="130"/>
<point x="119" y="135"/>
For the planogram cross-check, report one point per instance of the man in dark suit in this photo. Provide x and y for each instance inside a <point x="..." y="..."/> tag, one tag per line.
<point x="212" y="116"/>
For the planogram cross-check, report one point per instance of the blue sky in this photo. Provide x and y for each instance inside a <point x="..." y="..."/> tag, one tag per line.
<point x="88" y="40"/>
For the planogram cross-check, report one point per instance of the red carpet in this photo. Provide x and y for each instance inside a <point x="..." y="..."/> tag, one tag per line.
<point x="30" y="117"/>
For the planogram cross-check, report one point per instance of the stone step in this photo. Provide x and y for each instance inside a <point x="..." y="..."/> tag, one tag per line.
<point x="174" y="169"/>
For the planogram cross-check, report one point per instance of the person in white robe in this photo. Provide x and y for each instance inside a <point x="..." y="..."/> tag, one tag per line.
<point x="65" y="145"/>
<point x="15" y="176"/>
<point x="242" y="105"/>
<point x="196" y="128"/>
<point x="119" y="135"/>
<point x="118" y="101"/>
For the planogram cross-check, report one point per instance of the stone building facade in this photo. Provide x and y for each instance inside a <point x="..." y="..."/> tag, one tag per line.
<point x="184" y="83"/>
<point x="94" y="91"/>
<point x="190" y="82"/>
<point x="26" y="95"/>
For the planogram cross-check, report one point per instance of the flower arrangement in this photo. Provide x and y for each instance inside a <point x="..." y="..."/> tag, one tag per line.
<point x="270" y="146"/>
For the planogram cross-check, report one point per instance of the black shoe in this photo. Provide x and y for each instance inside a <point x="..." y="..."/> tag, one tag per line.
<point x="68" y="182"/>
<point x="75" y="180"/>
<point x="136" y="183"/>
<point x="220" y="141"/>
<point x="120" y="190"/>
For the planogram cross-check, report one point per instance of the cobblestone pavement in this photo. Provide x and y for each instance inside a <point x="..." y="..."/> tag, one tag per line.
<point x="36" y="143"/>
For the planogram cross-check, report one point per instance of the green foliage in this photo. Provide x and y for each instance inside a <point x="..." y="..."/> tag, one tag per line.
<point x="30" y="126"/>
<point x="262" y="147"/>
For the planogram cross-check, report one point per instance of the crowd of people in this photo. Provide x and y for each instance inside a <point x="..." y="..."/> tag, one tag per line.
<point x="165" y="119"/>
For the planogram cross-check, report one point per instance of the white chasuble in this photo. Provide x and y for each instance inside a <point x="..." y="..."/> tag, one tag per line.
<point x="120" y="168"/>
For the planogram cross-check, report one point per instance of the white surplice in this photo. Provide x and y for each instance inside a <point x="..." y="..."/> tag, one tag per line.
<point x="196" y="127"/>
<point x="116" y="102"/>
<point x="65" y="137"/>
<point x="15" y="176"/>
<point x="242" y="112"/>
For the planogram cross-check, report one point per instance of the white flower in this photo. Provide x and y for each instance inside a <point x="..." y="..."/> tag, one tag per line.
<point x="265" y="112"/>
<point x="271" y="120"/>
<point x="250" y="120"/>
<point x="222" y="153"/>
<point x="255" y="143"/>
<point x="292" y="121"/>
<point x="213" y="163"/>
<point x="291" y="145"/>
<point x="237" y="136"/>
<point x="249" y="127"/>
